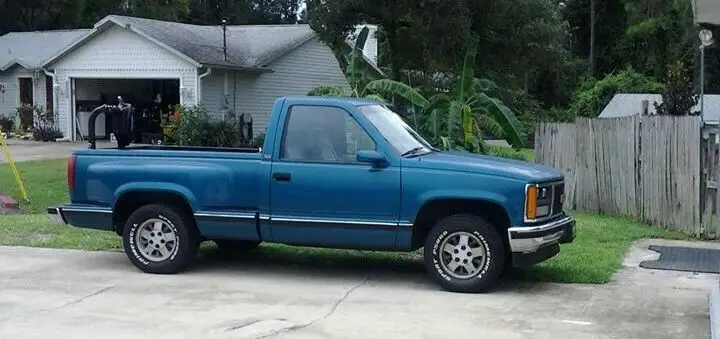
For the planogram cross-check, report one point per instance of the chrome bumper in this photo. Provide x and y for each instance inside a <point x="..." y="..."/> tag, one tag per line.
<point x="527" y="239"/>
<point x="56" y="215"/>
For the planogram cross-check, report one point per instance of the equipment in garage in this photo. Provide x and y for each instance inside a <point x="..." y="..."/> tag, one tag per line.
<point x="152" y="101"/>
<point x="121" y="118"/>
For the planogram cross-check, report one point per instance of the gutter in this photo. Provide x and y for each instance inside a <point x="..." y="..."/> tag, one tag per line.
<point x="199" y="84"/>
<point x="55" y="100"/>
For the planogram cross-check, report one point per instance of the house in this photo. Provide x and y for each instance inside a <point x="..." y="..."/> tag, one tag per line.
<point x="152" y="64"/>
<point x="628" y="104"/>
<point x="22" y="80"/>
<point x="706" y="12"/>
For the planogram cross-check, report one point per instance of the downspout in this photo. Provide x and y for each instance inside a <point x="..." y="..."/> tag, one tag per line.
<point x="200" y="85"/>
<point x="55" y="87"/>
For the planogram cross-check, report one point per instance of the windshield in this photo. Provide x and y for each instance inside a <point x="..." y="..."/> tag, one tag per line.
<point x="398" y="133"/>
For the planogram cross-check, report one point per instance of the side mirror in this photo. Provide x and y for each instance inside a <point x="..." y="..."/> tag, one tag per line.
<point x="372" y="157"/>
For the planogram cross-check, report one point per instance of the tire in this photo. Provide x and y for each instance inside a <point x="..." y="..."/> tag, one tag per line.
<point x="178" y="237"/>
<point x="484" y="265"/>
<point x="235" y="246"/>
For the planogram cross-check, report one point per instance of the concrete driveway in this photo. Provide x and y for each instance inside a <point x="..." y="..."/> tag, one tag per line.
<point x="21" y="150"/>
<point x="53" y="293"/>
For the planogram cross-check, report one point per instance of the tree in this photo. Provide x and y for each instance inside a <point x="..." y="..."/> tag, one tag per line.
<point x="678" y="95"/>
<point x="362" y="86"/>
<point x="593" y="95"/>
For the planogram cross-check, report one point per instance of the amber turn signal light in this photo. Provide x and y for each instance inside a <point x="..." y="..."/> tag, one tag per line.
<point x="531" y="202"/>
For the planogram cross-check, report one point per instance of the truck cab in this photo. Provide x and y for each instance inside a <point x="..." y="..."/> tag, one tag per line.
<point x="332" y="172"/>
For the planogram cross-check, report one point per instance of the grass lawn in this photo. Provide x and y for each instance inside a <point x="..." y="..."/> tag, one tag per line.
<point x="596" y="253"/>
<point x="45" y="183"/>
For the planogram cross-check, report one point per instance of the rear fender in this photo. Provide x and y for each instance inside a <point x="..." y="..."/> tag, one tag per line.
<point x="163" y="187"/>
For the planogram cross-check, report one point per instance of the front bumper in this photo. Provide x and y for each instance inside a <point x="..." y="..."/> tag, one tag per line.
<point x="533" y="244"/>
<point x="56" y="215"/>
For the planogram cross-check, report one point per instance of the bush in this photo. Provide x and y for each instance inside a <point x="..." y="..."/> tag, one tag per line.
<point x="6" y="124"/>
<point x="506" y="152"/>
<point x="44" y="128"/>
<point x="25" y="113"/>
<point x="188" y="129"/>
<point x="593" y="95"/>
<point x="193" y="127"/>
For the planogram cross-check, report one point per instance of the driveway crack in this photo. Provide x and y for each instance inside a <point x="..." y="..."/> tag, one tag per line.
<point x="327" y="315"/>
<point x="83" y="298"/>
<point x="70" y="303"/>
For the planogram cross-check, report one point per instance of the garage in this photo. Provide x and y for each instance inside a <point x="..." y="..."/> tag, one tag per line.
<point x="152" y="99"/>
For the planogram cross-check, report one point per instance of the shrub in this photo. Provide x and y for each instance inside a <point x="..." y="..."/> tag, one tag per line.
<point x="188" y="129"/>
<point x="25" y="113"/>
<point x="44" y="128"/>
<point x="193" y="127"/>
<point x="506" y="152"/>
<point x="6" y="124"/>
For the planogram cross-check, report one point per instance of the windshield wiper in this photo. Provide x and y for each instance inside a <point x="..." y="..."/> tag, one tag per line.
<point x="413" y="151"/>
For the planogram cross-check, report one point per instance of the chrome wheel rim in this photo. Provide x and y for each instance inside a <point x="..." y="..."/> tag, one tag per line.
<point x="156" y="240"/>
<point x="462" y="255"/>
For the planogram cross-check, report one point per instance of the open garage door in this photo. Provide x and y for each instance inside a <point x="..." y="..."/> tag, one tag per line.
<point x="152" y="99"/>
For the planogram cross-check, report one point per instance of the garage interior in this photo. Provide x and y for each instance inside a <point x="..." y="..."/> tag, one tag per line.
<point x="152" y="100"/>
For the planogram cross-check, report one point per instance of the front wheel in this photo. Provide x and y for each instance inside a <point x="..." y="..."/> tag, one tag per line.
<point x="160" y="239"/>
<point x="464" y="253"/>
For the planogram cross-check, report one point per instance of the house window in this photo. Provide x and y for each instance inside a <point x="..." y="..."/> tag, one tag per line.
<point x="26" y="91"/>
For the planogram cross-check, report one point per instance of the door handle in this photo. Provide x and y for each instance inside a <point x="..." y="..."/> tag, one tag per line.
<point x="281" y="176"/>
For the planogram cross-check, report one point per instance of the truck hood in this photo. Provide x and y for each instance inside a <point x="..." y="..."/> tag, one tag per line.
<point x="484" y="164"/>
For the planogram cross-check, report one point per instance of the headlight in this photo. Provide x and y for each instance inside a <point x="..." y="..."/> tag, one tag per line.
<point x="538" y="201"/>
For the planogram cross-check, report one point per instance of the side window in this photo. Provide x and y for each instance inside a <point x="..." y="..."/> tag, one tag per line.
<point x="323" y="134"/>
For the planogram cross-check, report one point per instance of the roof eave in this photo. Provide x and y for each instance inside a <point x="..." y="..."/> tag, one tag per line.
<point x="239" y="68"/>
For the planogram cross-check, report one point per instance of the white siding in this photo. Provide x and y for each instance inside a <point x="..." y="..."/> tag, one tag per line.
<point x="10" y="99"/>
<point x="121" y="54"/>
<point x="295" y="74"/>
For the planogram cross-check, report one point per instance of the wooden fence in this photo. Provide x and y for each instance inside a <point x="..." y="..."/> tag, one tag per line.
<point x="647" y="167"/>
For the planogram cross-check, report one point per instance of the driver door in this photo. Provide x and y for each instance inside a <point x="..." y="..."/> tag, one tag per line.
<point x="320" y="194"/>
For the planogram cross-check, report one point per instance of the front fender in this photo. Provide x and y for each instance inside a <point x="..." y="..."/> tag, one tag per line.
<point x="510" y="204"/>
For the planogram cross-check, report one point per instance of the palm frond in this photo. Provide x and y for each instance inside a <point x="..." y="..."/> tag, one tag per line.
<point x="486" y="123"/>
<point x="454" y="121"/>
<point x="485" y="86"/>
<point x="395" y="88"/>
<point x="326" y="91"/>
<point x="376" y="97"/>
<point x="496" y="109"/>
<point x="467" y="74"/>
<point x="467" y="124"/>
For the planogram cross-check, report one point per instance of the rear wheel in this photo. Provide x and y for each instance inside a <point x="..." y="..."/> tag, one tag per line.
<point x="464" y="253"/>
<point x="160" y="239"/>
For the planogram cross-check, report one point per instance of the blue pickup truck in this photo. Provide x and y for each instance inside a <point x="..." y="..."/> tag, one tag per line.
<point x="332" y="172"/>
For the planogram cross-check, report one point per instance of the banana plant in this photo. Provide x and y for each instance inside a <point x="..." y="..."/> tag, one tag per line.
<point x="457" y="121"/>
<point x="361" y="87"/>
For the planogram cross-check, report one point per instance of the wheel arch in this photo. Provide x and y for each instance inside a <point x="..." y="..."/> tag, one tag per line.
<point x="129" y="200"/>
<point x="436" y="209"/>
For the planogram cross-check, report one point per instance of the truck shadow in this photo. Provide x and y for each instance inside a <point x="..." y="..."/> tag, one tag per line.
<point x="293" y="262"/>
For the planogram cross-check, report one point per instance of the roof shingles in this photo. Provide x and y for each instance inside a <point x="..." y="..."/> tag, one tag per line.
<point x="247" y="46"/>
<point x="31" y="49"/>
